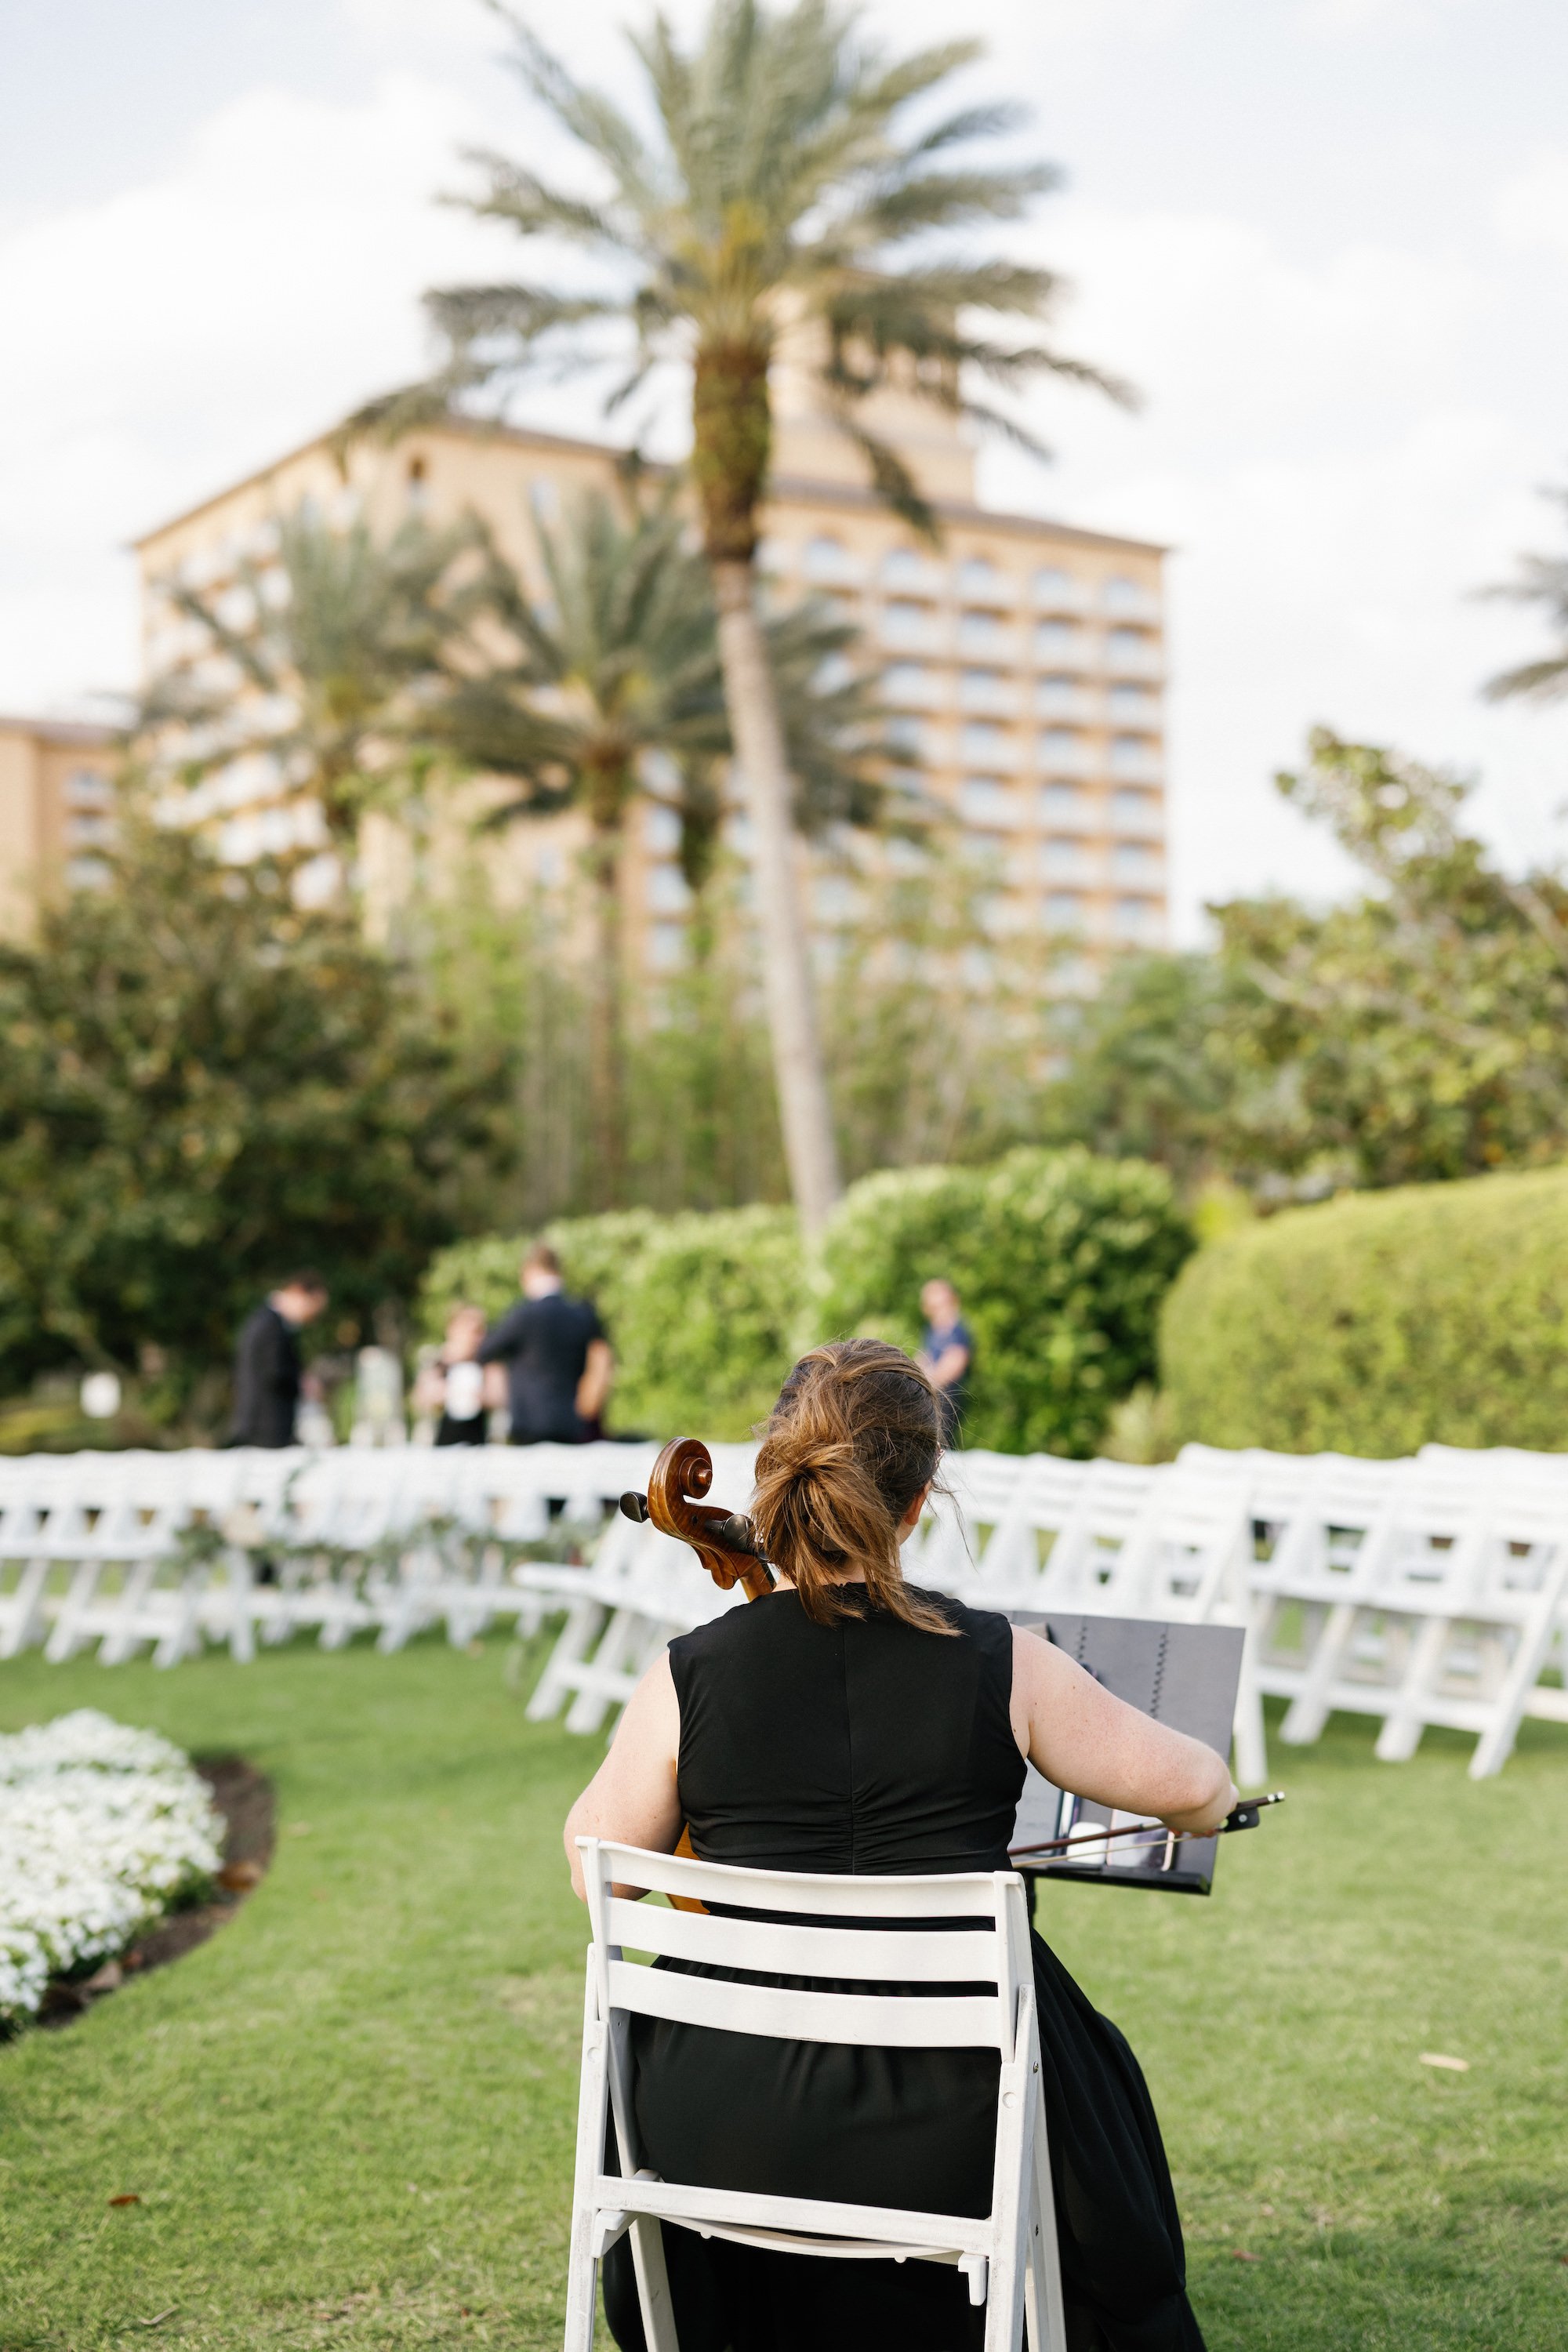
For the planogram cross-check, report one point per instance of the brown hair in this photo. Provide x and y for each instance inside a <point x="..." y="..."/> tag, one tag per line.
<point x="541" y="1259"/>
<point x="855" y="1435"/>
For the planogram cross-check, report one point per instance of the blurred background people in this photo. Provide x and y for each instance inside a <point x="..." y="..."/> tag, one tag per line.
<point x="451" y="1389"/>
<point x="947" y="1353"/>
<point x="557" y="1359"/>
<point x="268" y="1381"/>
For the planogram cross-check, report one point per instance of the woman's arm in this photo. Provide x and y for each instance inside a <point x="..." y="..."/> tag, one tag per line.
<point x="1081" y="1737"/>
<point x="632" y="1797"/>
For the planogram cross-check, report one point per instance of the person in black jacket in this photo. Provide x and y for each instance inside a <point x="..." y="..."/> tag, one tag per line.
<point x="266" y="1378"/>
<point x="557" y="1357"/>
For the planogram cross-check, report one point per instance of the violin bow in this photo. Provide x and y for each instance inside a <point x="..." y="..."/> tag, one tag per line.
<point x="1243" y="1816"/>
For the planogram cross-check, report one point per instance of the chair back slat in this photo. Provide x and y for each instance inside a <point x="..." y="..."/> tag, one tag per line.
<point x="958" y="1895"/>
<point x="903" y="2021"/>
<point x="879" y="1955"/>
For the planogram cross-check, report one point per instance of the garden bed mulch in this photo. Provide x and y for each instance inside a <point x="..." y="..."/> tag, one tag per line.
<point x="245" y="1798"/>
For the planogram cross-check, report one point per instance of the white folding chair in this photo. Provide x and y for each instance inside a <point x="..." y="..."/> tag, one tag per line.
<point x="1010" y="2257"/>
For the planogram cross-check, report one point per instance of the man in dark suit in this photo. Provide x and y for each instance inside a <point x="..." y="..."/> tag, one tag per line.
<point x="266" y="1380"/>
<point x="557" y="1359"/>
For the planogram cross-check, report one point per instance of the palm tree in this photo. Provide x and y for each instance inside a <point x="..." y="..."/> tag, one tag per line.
<point x="320" y="663"/>
<point x="1543" y="580"/>
<point x="621" y="662"/>
<point x="780" y="188"/>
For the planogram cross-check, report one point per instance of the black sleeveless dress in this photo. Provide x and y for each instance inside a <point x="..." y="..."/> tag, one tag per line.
<point x="868" y="1746"/>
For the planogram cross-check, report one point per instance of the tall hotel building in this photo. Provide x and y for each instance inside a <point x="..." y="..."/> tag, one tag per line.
<point x="1022" y="660"/>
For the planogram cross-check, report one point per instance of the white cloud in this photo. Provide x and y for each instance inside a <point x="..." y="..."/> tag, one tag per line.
<point x="1531" y="208"/>
<point x="182" y="332"/>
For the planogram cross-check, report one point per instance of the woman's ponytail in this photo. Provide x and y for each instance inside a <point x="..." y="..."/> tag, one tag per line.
<point x="855" y="1436"/>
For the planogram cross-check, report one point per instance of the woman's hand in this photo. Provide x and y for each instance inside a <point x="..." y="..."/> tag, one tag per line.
<point x="632" y="1798"/>
<point x="1083" y="1738"/>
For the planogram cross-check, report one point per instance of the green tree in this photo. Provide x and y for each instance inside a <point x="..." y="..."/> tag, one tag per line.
<point x="201" y="1084"/>
<point x="320" y="663"/>
<point x="790" y="184"/>
<point x="610" y="688"/>
<point x="1543" y="580"/>
<point x="1419" y="1031"/>
<point x="1147" y="1072"/>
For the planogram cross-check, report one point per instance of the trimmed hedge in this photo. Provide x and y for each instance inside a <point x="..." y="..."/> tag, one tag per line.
<point x="714" y="1322"/>
<point x="1381" y="1321"/>
<point x="1061" y="1260"/>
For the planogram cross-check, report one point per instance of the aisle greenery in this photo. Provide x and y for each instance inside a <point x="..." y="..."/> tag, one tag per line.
<point x="348" y="2119"/>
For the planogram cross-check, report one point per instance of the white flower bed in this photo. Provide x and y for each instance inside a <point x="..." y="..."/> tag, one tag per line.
<point x="102" y="1828"/>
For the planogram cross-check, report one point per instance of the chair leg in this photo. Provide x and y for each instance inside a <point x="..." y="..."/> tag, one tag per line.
<point x="653" y="2286"/>
<point x="582" y="2277"/>
<point x="1043" y="2284"/>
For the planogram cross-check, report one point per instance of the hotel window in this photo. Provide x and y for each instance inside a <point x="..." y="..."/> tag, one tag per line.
<point x="987" y="690"/>
<point x="902" y="568"/>
<point x="661" y="829"/>
<point x="825" y="559"/>
<point x="905" y="624"/>
<point x="1060" y="698"/>
<point x="908" y="738"/>
<point x="1056" y="590"/>
<point x="981" y="633"/>
<point x="999" y="914"/>
<point x="1134" y="919"/>
<point x="909" y="682"/>
<point x="90" y="832"/>
<point x="1061" y="641"/>
<point x="987" y="800"/>
<point x="1135" y="755"/>
<point x="1064" y="805"/>
<point x="1130" y="599"/>
<point x="86" y="789"/>
<point x="1064" y="749"/>
<point x="1130" y="649"/>
<point x="980" y="582"/>
<point x="1064" y="860"/>
<point x="1133" y="705"/>
<point x="1134" y="862"/>
<point x="834" y="899"/>
<point x="1063" y="910"/>
<point x="1135" y="812"/>
<point x="667" y="891"/>
<point x="986" y="746"/>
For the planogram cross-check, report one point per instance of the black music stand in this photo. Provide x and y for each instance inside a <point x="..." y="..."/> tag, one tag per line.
<point x="1185" y="1675"/>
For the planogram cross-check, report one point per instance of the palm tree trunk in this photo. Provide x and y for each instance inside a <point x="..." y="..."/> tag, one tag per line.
<point x="607" y="1092"/>
<point x="806" y="1113"/>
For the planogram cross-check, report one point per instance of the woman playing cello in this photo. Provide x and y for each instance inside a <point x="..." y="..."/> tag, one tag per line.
<point x="850" y="1722"/>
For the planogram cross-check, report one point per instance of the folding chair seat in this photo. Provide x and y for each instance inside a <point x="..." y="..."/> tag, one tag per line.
<point x="1009" y="2257"/>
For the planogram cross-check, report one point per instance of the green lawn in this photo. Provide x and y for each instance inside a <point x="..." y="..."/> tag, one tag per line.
<point x="349" y="2117"/>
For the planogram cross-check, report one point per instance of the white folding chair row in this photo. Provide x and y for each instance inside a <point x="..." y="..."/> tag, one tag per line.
<point x="640" y="1589"/>
<point x="1444" y="1615"/>
<point x="1427" y="1589"/>
<point x="1008" y="2257"/>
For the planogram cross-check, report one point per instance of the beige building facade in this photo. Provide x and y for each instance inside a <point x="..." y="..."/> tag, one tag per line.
<point x="1022" y="660"/>
<point x="56" y="812"/>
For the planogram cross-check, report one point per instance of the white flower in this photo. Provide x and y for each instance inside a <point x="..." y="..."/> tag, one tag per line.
<point x="102" y="1827"/>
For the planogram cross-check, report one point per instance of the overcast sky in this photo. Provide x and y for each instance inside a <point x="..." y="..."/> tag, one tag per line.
<point x="1328" y="238"/>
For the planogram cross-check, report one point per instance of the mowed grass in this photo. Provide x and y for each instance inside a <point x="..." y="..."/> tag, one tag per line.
<point x="349" y="2117"/>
